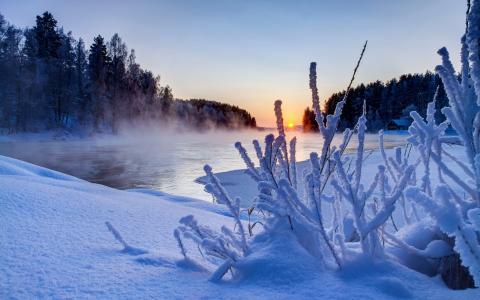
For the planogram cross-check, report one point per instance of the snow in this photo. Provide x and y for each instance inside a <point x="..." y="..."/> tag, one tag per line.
<point x="55" y="244"/>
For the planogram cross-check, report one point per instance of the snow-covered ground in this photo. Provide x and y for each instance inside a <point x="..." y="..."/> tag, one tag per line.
<point x="54" y="244"/>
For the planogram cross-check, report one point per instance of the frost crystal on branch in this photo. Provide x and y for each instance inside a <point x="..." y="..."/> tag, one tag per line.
<point x="315" y="99"/>
<point x="279" y="118"/>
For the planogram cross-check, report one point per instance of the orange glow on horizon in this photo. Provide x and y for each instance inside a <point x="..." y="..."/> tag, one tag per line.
<point x="290" y="125"/>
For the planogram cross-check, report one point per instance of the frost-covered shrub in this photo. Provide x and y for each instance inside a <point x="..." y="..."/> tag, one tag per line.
<point x="227" y="246"/>
<point x="455" y="203"/>
<point x="382" y="204"/>
<point x="287" y="200"/>
<point x="396" y="166"/>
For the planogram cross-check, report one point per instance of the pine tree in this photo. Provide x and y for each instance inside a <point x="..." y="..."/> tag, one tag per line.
<point x="10" y="77"/>
<point x="117" y="51"/>
<point x="98" y="62"/>
<point x="48" y="41"/>
<point x="47" y="37"/>
<point x="309" y="123"/>
<point x="81" y="99"/>
<point x="30" y="107"/>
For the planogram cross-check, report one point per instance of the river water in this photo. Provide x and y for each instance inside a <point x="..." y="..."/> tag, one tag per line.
<point x="166" y="161"/>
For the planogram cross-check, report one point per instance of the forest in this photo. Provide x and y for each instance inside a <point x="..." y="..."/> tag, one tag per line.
<point x="385" y="102"/>
<point x="50" y="80"/>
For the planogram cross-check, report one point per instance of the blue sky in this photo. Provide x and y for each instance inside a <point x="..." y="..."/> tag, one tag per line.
<point x="250" y="53"/>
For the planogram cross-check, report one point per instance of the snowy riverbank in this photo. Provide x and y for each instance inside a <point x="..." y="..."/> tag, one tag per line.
<point x="239" y="184"/>
<point x="54" y="244"/>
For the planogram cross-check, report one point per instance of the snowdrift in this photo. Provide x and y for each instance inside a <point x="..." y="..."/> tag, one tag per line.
<point x="54" y="244"/>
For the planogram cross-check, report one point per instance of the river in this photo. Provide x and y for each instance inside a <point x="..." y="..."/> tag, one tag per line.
<point x="166" y="161"/>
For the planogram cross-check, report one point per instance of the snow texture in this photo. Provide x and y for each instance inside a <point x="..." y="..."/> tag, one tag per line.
<point x="55" y="245"/>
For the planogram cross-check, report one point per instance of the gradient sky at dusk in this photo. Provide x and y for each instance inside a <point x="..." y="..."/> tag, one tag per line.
<point x="250" y="53"/>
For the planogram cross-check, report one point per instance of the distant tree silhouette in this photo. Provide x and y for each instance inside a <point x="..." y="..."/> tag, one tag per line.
<point x="309" y="123"/>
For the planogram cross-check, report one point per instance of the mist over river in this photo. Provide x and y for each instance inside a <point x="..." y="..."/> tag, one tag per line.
<point x="162" y="160"/>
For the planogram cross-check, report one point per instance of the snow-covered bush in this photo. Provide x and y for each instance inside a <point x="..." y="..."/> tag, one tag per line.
<point x="455" y="202"/>
<point x="382" y="204"/>
<point x="287" y="200"/>
<point x="227" y="245"/>
<point x="397" y="166"/>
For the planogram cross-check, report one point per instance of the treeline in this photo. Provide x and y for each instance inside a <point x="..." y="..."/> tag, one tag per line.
<point x="202" y="114"/>
<point x="49" y="80"/>
<point x="386" y="101"/>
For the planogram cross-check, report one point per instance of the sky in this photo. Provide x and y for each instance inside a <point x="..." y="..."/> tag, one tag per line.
<point x="250" y="53"/>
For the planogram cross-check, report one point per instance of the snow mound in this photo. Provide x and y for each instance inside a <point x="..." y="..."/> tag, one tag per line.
<point x="55" y="245"/>
<point x="277" y="260"/>
<point x="11" y="166"/>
